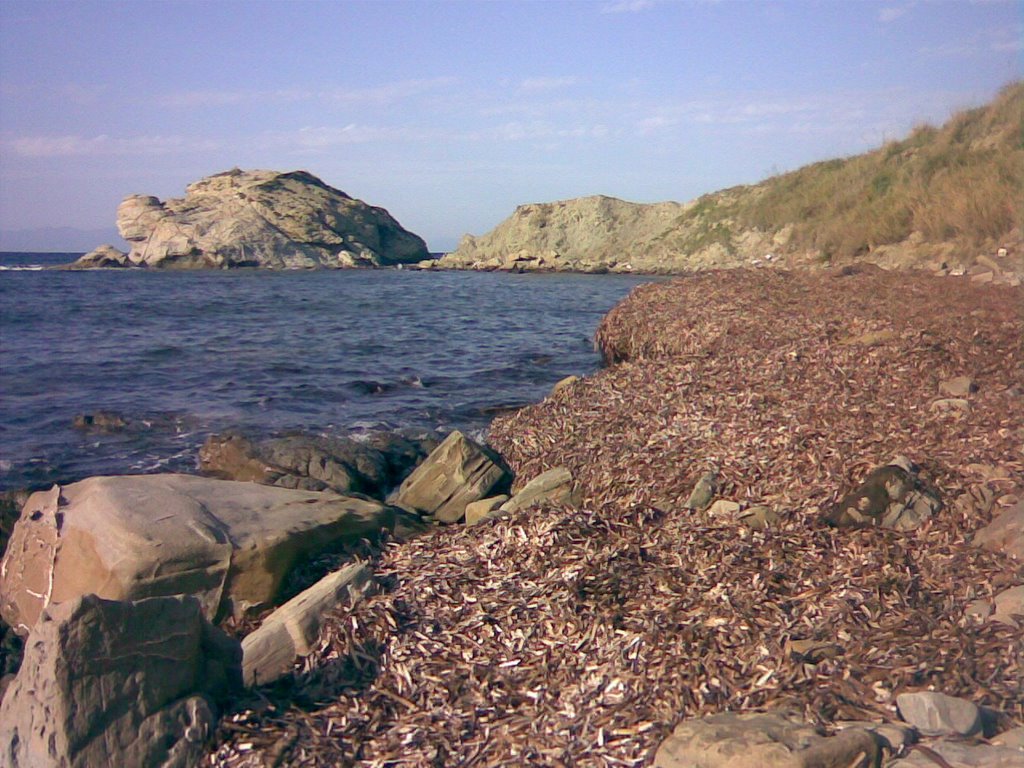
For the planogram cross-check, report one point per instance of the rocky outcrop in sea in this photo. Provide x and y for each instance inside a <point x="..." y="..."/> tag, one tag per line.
<point x="257" y="219"/>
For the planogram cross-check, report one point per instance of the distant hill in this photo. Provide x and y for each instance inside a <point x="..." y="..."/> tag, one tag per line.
<point x="945" y="194"/>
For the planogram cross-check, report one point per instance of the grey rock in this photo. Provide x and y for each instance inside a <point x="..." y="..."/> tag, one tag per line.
<point x="230" y="544"/>
<point x="103" y="257"/>
<point x="457" y="473"/>
<point x="963" y="755"/>
<point x="759" y="517"/>
<point x="936" y="714"/>
<point x="754" y="740"/>
<point x="1008" y="607"/>
<point x="555" y="486"/>
<point x="371" y="465"/>
<point x="260" y="219"/>
<point x="291" y="631"/>
<point x="703" y="491"/>
<point x="724" y="508"/>
<point x="955" y="406"/>
<point x="892" y="496"/>
<point x="1013" y="738"/>
<point x="117" y="683"/>
<point x="893" y="737"/>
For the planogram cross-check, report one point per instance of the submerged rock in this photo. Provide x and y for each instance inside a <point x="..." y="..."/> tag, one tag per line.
<point x="258" y="219"/>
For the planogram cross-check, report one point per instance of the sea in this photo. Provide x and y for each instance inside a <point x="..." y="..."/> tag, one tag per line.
<point x="177" y="356"/>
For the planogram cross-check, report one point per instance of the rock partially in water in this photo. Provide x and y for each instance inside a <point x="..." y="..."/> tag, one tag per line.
<point x="258" y="219"/>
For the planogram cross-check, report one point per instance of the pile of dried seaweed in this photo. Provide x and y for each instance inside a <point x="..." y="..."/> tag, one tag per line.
<point x="562" y="637"/>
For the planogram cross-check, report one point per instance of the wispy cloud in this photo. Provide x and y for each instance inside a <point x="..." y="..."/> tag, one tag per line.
<point x="532" y="131"/>
<point x="534" y="84"/>
<point x="1001" y="40"/>
<point x="651" y="125"/>
<point x="890" y="13"/>
<point x="72" y="145"/>
<point x="627" y="6"/>
<point x="388" y="93"/>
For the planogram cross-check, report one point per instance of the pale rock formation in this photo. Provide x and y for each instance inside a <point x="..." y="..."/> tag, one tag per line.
<point x="258" y="219"/>
<point x="230" y="544"/>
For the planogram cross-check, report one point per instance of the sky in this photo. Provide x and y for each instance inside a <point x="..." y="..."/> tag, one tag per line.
<point x="450" y="114"/>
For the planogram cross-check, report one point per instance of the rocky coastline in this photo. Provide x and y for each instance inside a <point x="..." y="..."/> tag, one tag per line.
<point x="784" y="543"/>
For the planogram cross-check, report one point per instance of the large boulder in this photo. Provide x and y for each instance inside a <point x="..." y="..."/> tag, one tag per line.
<point x="230" y="544"/>
<point x="117" y="683"/>
<point x="372" y="465"/>
<point x="756" y="740"/>
<point x="457" y="473"/>
<point x="259" y="219"/>
<point x="1005" y="533"/>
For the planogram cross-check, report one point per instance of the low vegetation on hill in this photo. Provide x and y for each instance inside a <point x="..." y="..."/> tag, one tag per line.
<point x="961" y="183"/>
<point x="942" y="195"/>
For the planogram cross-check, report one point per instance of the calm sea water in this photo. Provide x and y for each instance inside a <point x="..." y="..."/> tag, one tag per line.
<point x="180" y="355"/>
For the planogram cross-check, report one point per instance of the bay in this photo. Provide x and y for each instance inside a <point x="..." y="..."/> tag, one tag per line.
<point x="181" y="355"/>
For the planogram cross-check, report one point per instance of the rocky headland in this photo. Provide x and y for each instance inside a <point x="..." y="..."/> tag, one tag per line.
<point x="257" y="219"/>
<point x="782" y="527"/>
<point x="945" y="198"/>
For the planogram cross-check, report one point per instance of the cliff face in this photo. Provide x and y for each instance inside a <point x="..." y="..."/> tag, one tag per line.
<point x="258" y="219"/>
<point x="943" y="195"/>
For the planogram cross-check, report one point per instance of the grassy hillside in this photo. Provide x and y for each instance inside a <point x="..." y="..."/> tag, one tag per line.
<point x="958" y="184"/>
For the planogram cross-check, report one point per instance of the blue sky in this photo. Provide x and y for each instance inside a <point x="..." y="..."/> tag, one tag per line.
<point x="450" y="114"/>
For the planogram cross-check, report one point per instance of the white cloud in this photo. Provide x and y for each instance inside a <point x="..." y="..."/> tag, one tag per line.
<point x="532" y="131"/>
<point x="627" y="6"/>
<point x="649" y="125"/>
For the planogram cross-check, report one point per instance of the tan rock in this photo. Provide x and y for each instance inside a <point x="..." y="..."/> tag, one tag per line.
<point x="291" y="631"/>
<point x="1005" y="533"/>
<point x="724" y="508"/>
<point x="755" y="740"/>
<point x="568" y="381"/>
<point x="230" y="544"/>
<point x="457" y="473"/>
<point x="759" y="517"/>
<point x="958" y="386"/>
<point x="1013" y="738"/>
<point x="1008" y="607"/>
<point x="955" y="406"/>
<point x="555" y="486"/>
<point x="108" y="683"/>
<point x="869" y="339"/>
<point x="477" y="511"/>
<point x="983" y="277"/>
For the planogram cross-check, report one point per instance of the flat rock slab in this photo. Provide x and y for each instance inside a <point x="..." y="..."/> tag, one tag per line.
<point x="555" y="485"/>
<point x="963" y="756"/>
<point x="936" y="714"/>
<point x="457" y="473"/>
<point x="731" y="740"/>
<point x="230" y="544"/>
<point x="291" y="632"/>
<point x="108" y="683"/>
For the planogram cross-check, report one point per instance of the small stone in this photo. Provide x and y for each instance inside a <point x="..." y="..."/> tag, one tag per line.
<point x="936" y="714"/>
<point x="703" y="491"/>
<point x="759" y="517"/>
<point x="959" y="386"/>
<point x="870" y="339"/>
<point x="568" y="381"/>
<point x="982" y="278"/>
<point x="894" y="737"/>
<point x="555" y="485"/>
<point x="813" y="651"/>
<point x="979" y="610"/>
<point x="956" y="406"/>
<point x="724" y="508"/>
<point x="477" y="511"/>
